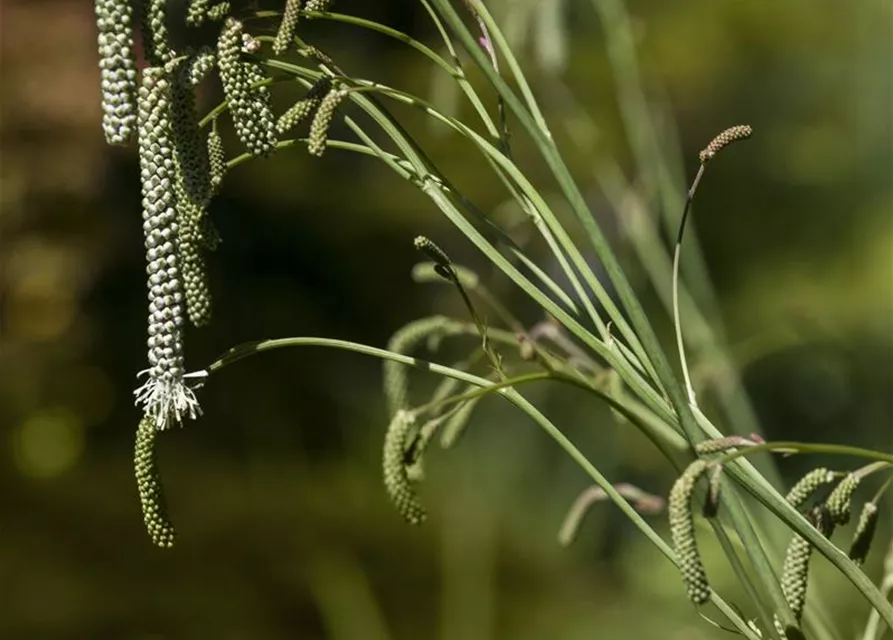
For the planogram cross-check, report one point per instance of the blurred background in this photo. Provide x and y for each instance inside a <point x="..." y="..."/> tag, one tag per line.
<point x="284" y="527"/>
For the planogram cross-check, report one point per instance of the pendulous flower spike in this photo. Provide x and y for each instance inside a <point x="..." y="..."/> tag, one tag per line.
<point x="302" y="109"/>
<point x="808" y="485"/>
<point x="864" y="534"/>
<point x="249" y="104"/>
<point x="164" y="396"/>
<point x="396" y="479"/>
<point x="216" y="158"/>
<point x="404" y="341"/>
<point x="286" y="33"/>
<point x="718" y="445"/>
<point x="148" y="483"/>
<point x="197" y="12"/>
<point x="795" y="572"/>
<point x="322" y="120"/>
<point x="117" y="64"/>
<point x="219" y="11"/>
<point x="727" y="137"/>
<point x="840" y="501"/>
<point x="156" y="39"/>
<point x="682" y="531"/>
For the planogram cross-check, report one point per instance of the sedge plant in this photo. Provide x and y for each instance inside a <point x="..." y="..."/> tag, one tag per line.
<point x="597" y="338"/>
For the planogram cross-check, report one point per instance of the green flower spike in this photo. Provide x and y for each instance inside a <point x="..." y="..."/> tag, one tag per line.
<point x="117" y="64"/>
<point x="286" y="34"/>
<point x="148" y="484"/>
<point x="319" y="128"/>
<point x="808" y="485"/>
<point x="396" y="478"/>
<point x="682" y="531"/>
<point x="864" y="535"/>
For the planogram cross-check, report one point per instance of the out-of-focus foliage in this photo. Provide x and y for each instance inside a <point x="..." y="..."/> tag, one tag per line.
<point x="284" y="527"/>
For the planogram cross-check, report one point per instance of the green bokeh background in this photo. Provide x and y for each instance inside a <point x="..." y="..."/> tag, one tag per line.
<point x="284" y="527"/>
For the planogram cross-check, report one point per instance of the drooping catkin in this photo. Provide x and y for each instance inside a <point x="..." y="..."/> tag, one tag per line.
<point x="197" y="12"/>
<point x="148" y="484"/>
<point x="396" y="480"/>
<point x="404" y="341"/>
<point x="725" y="443"/>
<point x="156" y="39"/>
<point x="318" y="5"/>
<point x="682" y="531"/>
<point x="194" y="272"/>
<point x="454" y="427"/>
<point x="117" y="64"/>
<point x="302" y="109"/>
<point x="808" y="485"/>
<point x="216" y="158"/>
<point x="219" y="11"/>
<point x="200" y="65"/>
<point x="864" y="534"/>
<point x="249" y="107"/>
<point x="194" y="173"/>
<point x="840" y="501"/>
<point x="165" y="397"/>
<point x="286" y="33"/>
<point x="322" y="120"/>
<point x="730" y="135"/>
<point x="310" y="51"/>
<point x="795" y="572"/>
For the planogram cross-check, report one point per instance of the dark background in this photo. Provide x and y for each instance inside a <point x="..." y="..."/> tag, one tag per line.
<point x="284" y="527"/>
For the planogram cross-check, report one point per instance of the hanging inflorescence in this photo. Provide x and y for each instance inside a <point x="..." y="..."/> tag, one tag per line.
<point x="182" y="166"/>
<point x="117" y="63"/>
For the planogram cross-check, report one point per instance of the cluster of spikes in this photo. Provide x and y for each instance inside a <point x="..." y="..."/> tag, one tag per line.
<point x="823" y="496"/>
<point x="182" y="166"/>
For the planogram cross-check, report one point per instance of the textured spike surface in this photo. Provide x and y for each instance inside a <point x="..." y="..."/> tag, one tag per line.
<point x="148" y="484"/>
<point x="682" y="531"/>
<point x="117" y="64"/>
<point x="396" y="479"/>
<point x="165" y="396"/>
